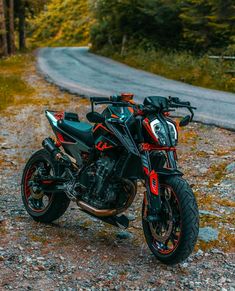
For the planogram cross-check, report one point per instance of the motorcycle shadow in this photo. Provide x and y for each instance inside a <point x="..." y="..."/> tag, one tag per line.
<point x="90" y="235"/>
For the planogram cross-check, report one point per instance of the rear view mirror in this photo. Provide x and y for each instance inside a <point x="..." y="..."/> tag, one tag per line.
<point x="95" y="117"/>
<point x="185" y="121"/>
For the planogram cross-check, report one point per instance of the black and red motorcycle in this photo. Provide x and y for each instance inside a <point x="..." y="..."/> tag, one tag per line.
<point x="99" y="166"/>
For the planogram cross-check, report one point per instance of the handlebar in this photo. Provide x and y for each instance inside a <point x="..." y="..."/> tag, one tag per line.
<point x="114" y="98"/>
<point x="173" y="102"/>
<point x="97" y="99"/>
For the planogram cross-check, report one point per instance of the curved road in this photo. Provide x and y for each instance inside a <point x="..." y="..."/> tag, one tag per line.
<point x="86" y="74"/>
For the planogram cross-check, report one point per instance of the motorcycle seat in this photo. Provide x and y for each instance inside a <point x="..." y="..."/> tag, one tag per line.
<point x="81" y="130"/>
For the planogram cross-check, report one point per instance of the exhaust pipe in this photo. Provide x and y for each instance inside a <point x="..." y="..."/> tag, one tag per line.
<point x="50" y="146"/>
<point x="98" y="212"/>
<point x="57" y="154"/>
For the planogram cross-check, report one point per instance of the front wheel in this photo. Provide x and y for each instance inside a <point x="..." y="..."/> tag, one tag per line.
<point x="173" y="237"/>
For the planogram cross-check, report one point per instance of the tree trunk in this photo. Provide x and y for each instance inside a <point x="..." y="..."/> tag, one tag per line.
<point x="3" y="32"/>
<point x="124" y="39"/>
<point x="12" y="48"/>
<point x="22" y="44"/>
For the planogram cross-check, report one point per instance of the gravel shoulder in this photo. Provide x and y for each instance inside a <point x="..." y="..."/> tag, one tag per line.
<point x="78" y="252"/>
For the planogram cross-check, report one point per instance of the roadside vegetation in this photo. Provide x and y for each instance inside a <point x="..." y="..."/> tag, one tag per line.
<point x="181" y="66"/>
<point x="170" y="38"/>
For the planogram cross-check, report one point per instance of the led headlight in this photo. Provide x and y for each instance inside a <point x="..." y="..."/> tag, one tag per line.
<point x="159" y="131"/>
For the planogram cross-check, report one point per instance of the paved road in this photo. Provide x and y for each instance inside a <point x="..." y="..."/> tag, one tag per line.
<point x="83" y="73"/>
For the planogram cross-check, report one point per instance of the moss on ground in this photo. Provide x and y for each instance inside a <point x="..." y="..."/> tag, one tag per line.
<point x="13" y="88"/>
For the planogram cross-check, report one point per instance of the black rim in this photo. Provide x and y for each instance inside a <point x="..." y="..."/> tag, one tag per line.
<point x="36" y="199"/>
<point x="166" y="232"/>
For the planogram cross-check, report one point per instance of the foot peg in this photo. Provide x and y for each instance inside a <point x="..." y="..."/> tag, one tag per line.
<point x="122" y="220"/>
<point x="119" y="221"/>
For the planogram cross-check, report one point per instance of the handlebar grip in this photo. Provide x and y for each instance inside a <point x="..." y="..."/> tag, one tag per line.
<point x="184" y="103"/>
<point x="98" y="99"/>
<point x="177" y="101"/>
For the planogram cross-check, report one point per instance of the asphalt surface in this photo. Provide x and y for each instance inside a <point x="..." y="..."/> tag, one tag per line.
<point x="86" y="74"/>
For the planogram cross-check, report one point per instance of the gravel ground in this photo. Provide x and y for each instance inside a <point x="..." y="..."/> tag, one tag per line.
<point x="78" y="252"/>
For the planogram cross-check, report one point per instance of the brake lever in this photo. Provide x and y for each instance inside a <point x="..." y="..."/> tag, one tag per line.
<point x="189" y="107"/>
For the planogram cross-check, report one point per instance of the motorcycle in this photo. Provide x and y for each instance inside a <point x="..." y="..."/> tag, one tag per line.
<point x="99" y="166"/>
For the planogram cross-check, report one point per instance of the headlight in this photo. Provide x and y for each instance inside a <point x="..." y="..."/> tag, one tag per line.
<point x="159" y="131"/>
<point x="173" y="133"/>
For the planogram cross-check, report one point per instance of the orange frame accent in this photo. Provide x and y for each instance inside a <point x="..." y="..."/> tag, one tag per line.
<point x="101" y="125"/>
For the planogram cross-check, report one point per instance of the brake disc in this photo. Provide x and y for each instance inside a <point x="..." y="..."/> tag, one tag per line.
<point x="162" y="230"/>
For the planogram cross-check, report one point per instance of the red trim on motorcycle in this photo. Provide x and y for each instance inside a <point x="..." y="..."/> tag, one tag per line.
<point x="153" y="182"/>
<point x="146" y="124"/>
<point x="101" y="146"/>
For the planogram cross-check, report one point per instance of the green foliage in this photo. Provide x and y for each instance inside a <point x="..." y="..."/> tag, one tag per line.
<point x="195" y="25"/>
<point x="136" y="20"/>
<point x="62" y="23"/>
<point x="208" y="24"/>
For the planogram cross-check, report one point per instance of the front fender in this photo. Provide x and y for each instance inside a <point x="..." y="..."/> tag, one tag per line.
<point x="168" y="172"/>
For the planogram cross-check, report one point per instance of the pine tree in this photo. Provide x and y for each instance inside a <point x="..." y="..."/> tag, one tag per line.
<point x="207" y="24"/>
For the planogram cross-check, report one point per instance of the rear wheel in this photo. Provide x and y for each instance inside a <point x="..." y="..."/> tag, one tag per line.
<point x="42" y="206"/>
<point x="173" y="237"/>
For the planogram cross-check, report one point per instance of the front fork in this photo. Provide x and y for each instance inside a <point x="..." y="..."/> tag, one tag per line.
<point x="152" y="197"/>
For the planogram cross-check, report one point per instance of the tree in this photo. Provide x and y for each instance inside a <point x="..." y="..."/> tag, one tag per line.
<point x="3" y="31"/>
<point x="21" y="25"/>
<point x="151" y="21"/>
<point x="11" y="10"/>
<point x="207" y="24"/>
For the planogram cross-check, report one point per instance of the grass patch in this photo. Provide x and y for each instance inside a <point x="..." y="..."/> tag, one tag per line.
<point x="12" y="84"/>
<point x="188" y="136"/>
<point x="216" y="172"/>
<point x="2" y="230"/>
<point x="180" y="66"/>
